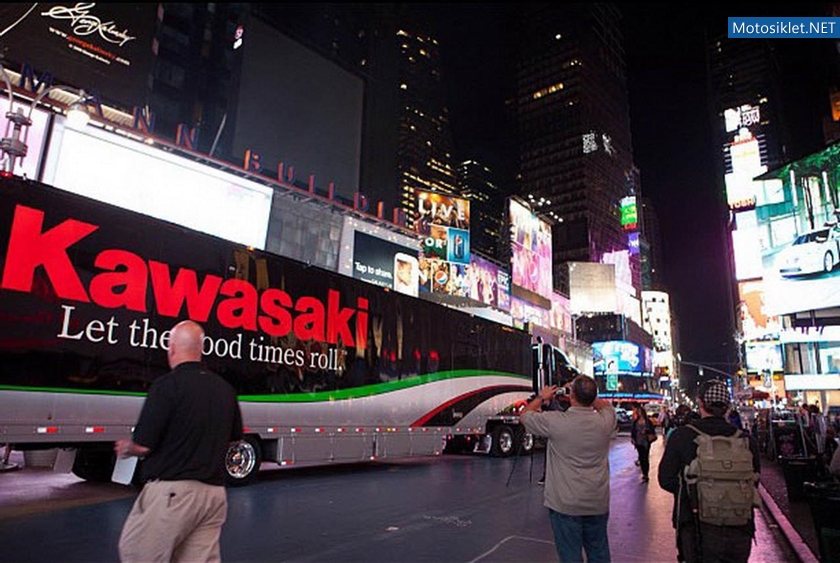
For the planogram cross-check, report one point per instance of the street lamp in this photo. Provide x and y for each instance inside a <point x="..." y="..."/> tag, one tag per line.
<point x="14" y="142"/>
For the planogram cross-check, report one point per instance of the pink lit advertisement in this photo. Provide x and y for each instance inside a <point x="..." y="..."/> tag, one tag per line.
<point x="530" y="250"/>
<point x="489" y="283"/>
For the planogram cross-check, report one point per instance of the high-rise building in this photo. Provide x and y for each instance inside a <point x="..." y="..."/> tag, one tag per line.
<point x="575" y="155"/>
<point x="424" y="150"/>
<point x="745" y="97"/>
<point x="191" y="79"/>
<point x="651" y="247"/>
<point x="487" y="209"/>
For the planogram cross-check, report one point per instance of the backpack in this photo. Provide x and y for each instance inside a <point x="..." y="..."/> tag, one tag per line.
<point x="722" y="480"/>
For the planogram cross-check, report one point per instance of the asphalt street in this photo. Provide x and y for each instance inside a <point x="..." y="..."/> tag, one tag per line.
<point x="459" y="509"/>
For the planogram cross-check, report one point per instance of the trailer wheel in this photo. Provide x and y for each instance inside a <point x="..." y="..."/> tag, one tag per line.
<point x="524" y="442"/>
<point x="503" y="441"/>
<point x="242" y="461"/>
<point x="95" y="465"/>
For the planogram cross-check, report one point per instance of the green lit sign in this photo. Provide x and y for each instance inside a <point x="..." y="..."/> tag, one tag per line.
<point x="612" y="382"/>
<point x="629" y="213"/>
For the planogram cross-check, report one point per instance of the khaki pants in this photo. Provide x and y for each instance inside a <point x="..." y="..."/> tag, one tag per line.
<point x="174" y="521"/>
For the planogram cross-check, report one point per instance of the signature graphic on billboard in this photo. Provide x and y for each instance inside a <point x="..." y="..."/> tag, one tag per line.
<point x="82" y="22"/>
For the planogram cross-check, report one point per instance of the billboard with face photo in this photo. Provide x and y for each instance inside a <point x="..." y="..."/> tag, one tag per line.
<point x="489" y="283"/>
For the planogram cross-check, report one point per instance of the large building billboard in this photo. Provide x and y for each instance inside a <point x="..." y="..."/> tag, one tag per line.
<point x="489" y="283"/>
<point x="622" y="358"/>
<point x="531" y="252"/>
<point x="444" y="224"/>
<point x="794" y="229"/>
<point x="102" y="47"/>
<point x="385" y="264"/>
<point x="592" y="287"/>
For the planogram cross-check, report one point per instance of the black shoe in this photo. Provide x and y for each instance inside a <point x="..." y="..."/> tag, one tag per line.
<point x="541" y="481"/>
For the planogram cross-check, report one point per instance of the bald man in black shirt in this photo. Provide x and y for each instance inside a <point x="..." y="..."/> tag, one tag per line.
<point x="188" y="420"/>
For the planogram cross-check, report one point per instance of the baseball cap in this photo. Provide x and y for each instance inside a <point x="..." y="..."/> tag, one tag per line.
<point x="714" y="392"/>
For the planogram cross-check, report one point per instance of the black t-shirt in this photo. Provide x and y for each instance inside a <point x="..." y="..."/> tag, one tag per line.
<point x="189" y="418"/>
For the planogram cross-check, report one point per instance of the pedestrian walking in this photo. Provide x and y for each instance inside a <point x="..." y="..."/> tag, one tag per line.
<point x="642" y="435"/>
<point x="185" y="427"/>
<point x="713" y="517"/>
<point x="577" y="487"/>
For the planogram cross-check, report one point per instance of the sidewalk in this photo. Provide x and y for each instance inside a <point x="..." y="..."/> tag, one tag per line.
<point x="793" y="518"/>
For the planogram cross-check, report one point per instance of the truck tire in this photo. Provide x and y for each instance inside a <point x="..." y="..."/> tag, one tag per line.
<point x="504" y="441"/>
<point x="524" y="442"/>
<point x="242" y="461"/>
<point x="94" y="464"/>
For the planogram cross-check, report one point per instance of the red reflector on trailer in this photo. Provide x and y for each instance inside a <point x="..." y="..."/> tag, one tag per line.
<point x="246" y="430"/>
<point x="48" y="430"/>
<point x="95" y="429"/>
<point x="319" y="430"/>
<point x="339" y="430"/>
<point x="294" y="430"/>
<point x="360" y="429"/>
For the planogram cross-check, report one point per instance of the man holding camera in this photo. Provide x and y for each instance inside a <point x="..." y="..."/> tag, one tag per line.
<point x="577" y="488"/>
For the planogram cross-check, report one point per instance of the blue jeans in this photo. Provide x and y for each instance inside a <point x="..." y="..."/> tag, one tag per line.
<point x="574" y="534"/>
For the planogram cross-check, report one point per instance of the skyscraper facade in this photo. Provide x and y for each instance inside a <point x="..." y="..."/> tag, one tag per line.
<point x="573" y="123"/>
<point x="487" y="208"/>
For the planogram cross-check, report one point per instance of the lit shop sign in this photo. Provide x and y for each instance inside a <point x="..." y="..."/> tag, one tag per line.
<point x="744" y="116"/>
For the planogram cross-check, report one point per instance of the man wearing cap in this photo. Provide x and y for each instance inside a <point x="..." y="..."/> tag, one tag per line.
<point x="715" y="543"/>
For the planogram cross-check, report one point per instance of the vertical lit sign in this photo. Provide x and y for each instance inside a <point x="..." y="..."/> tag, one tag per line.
<point x="445" y="224"/>
<point x="530" y="251"/>
<point x="629" y="214"/>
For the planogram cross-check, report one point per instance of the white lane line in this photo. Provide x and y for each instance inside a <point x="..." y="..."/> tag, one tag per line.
<point x="498" y="545"/>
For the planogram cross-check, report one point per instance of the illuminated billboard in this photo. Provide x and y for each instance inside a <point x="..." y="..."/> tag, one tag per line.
<point x="622" y="358"/>
<point x="592" y="288"/>
<point x="159" y="184"/>
<point x="763" y="356"/>
<point x="489" y="284"/>
<point x="103" y="47"/>
<point x="530" y="251"/>
<point x="795" y="230"/>
<point x="441" y="276"/>
<point x="629" y="214"/>
<point x="444" y="222"/>
<point x="756" y="324"/>
<point x="385" y="264"/>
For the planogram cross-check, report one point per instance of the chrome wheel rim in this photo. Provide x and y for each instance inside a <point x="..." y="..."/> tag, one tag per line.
<point x="241" y="460"/>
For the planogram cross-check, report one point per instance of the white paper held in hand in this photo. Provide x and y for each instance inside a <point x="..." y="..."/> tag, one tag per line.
<point x="124" y="470"/>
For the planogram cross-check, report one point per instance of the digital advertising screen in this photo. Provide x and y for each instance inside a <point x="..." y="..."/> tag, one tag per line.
<point x="101" y="47"/>
<point x="621" y="357"/>
<point x="444" y="222"/>
<point x="763" y="356"/>
<point x="489" y="283"/>
<point x="531" y="260"/>
<point x="756" y="324"/>
<point x="385" y="264"/>
<point x="132" y="175"/>
<point x="629" y="213"/>
<point x="441" y="276"/>
<point x="796" y="226"/>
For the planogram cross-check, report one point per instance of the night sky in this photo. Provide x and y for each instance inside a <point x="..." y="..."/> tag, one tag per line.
<point x="671" y="128"/>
